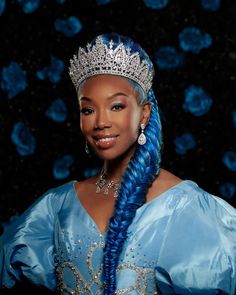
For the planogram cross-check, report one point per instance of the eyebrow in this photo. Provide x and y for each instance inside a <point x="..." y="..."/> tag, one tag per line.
<point x="110" y="97"/>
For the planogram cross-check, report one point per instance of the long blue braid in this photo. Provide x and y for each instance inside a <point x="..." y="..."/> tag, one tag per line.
<point x="143" y="168"/>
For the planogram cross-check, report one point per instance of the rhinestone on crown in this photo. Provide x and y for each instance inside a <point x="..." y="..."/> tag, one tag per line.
<point x="103" y="59"/>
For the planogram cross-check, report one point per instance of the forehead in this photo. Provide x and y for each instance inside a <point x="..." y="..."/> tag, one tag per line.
<point x="106" y="85"/>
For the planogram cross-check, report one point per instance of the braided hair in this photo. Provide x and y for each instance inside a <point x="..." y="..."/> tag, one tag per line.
<point x="141" y="171"/>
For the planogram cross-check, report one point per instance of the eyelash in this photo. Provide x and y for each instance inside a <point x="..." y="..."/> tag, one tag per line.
<point x="87" y="111"/>
<point x="120" y="105"/>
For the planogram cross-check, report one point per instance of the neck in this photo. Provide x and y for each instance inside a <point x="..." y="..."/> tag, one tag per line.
<point x="115" y="169"/>
<point x="110" y="177"/>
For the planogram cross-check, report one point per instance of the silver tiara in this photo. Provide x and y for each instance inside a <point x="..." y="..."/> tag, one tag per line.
<point x="101" y="59"/>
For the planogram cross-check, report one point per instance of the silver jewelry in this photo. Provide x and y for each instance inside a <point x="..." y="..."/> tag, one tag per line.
<point x="87" y="148"/>
<point x="106" y="184"/>
<point x="102" y="59"/>
<point x="142" y="138"/>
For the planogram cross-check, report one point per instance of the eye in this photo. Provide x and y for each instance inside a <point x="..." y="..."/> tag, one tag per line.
<point x="86" y="111"/>
<point x="118" y="107"/>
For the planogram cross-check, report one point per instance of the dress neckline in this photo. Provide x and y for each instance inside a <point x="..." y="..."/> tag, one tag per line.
<point x="138" y="211"/>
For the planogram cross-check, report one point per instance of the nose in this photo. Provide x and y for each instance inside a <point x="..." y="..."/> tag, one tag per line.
<point x="102" y="120"/>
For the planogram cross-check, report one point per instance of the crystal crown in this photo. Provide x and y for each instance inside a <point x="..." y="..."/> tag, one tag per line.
<point x="102" y="59"/>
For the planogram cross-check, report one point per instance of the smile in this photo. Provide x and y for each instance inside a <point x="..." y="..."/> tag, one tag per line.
<point x="105" y="142"/>
<point x="106" y="139"/>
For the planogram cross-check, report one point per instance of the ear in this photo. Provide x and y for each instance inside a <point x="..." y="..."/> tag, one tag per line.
<point x="145" y="114"/>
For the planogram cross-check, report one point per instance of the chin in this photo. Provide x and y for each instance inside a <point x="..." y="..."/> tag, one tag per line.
<point x="109" y="155"/>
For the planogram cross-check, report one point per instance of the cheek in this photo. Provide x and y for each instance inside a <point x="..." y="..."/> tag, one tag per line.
<point x="132" y="125"/>
<point x="84" y="125"/>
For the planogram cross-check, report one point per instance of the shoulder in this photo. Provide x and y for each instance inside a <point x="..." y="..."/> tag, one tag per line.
<point x="197" y="211"/>
<point x="59" y="190"/>
<point x="163" y="182"/>
<point x="52" y="199"/>
<point x="43" y="209"/>
<point x="191" y="192"/>
<point x="202" y="228"/>
<point x="191" y="205"/>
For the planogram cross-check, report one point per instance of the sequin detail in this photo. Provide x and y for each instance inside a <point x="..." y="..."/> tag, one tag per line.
<point x="141" y="282"/>
<point x="83" y="286"/>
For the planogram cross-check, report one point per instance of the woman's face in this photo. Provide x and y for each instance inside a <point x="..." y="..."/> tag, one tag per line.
<point x="110" y="116"/>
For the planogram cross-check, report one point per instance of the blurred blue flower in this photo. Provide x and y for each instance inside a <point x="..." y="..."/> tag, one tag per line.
<point x="29" y="6"/>
<point x="167" y="58"/>
<point x="13" y="79"/>
<point x="2" y="6"/>
<point x="61" y="167"/>
<point x="103" y="2"/>
<point x="183" y="143"/>
<point x="211" y="4"/>
<point x="234" y="118"/>
<point x="156" y="4"/>
<point x="229" y="159"/>
<point x="53" y="71"/>
<point x="194" y="40"/>
<point x="227" y="190"/>
<point x="89" y="172"/>
<point x="57" y="111"/>
<point x="68" y="27"/>
<point x="24" y="140"/>
<point x="197" y="102"/>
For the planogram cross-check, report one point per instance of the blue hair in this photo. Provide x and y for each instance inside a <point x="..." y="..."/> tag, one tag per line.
<point x="142" y="170"/>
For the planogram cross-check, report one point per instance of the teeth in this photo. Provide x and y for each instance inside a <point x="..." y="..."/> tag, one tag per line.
<point x="106" y="139"/>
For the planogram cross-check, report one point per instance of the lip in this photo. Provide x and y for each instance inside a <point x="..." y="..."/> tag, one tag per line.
<point x="105" y="141"/>
<point x="102" y="136"/>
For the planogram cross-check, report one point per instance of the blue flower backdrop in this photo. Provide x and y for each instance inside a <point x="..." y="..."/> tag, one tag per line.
<point x="192" y="46"/>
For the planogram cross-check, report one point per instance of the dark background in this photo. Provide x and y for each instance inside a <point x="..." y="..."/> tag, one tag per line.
<point x="30" y="40"/>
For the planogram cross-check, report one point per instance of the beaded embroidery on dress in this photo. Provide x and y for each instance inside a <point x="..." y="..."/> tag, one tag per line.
<point x="91" y="282"/>
<point x="72" y="244"/>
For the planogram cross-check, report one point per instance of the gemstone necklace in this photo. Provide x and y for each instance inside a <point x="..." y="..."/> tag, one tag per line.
<point x="104" y="183"/>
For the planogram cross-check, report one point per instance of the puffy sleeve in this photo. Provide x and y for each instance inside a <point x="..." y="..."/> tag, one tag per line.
<point x="198" y="255"/>
<point x="27" y="245"/>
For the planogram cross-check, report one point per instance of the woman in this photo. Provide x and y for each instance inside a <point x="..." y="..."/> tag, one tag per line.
<point x="134" y="228"/>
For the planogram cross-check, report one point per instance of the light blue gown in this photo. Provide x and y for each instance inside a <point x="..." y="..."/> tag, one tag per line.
<point x="182" y="242"/>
